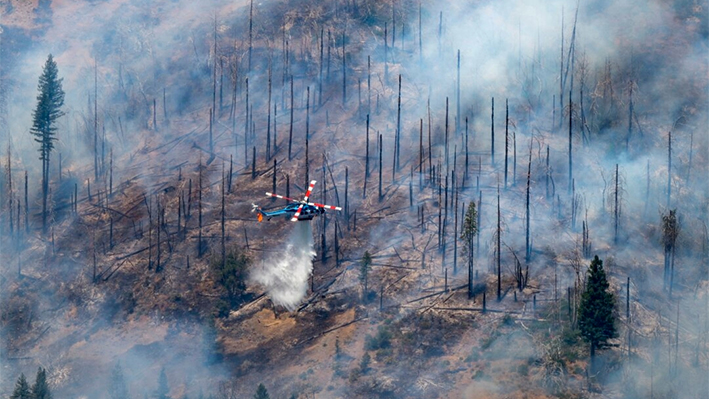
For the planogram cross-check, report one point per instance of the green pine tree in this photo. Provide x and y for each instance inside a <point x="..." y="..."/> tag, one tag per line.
<point x="49" y="103"/>
<point x="40" y="389"/>
<point x="22" y="389"/>
<point x="365" y="263"/>
<point x="596" y="318"/>
<point x="163" y="387"/>
<point x="469" y="230"/>
<point x="231" y="274"/>
<point x="261" y="392"/>
<point x="364" y="363"/>
<point x="118" y="388"/>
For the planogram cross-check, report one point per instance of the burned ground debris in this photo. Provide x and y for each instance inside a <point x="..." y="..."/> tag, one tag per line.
<point x="136" y="245"/>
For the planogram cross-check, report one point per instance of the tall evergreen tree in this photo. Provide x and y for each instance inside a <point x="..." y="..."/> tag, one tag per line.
<point x="163" y="387"/>
<point x="364" y="265"/>
<point x="118" y="388"/>
<point x="49" y="103"/>
<point x="22" y="389"/>
<point x="596" y="318"/>
<point x="469" y="230"/>
<point x="261" y="392"/>
<point x="40" y="389"/>
<point x="670" y="232"/>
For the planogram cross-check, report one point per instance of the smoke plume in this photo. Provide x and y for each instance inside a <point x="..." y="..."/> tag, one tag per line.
<point x="285" y="274"/>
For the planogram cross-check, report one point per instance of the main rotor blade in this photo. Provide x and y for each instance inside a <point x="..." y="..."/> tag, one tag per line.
<point x="310" y="190"/>
<point x="334" y="208"/>
<point x="280" y="196"/>
<point x="297" y="213"/>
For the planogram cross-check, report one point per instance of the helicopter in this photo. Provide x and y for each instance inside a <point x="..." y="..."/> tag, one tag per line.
<point x="298" y="210"/>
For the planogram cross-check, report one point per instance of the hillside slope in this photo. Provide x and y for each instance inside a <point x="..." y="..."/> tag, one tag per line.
<point x="179" y="116"/>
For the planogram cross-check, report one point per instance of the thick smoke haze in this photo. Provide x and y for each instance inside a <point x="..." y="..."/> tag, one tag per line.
<point x="147" y="68"/>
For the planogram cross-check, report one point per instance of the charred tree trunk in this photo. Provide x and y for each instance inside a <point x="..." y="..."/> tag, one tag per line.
<point x="329" y="50"/>
<point x="514" y="158"/>
<point x="275" y="129"/>
<point x="275" y="165"/>
<point x="251" y="30"/>
<point x="499" y="247"/>
<point x="27" y="204"/>
<point x="158" y="265"/>
<point x="669" y="168"/>
<point x="76" y="197"/>
<point x="199" y="210"/>
<point x="110" y="173"/>
<point x="467" y="159"/>
<point x="561" y="72"/>
<point x="268" y="119"/>
<point x="246" y="124"/>
<point x="253" y="163"/>
<point x="231" y="174"/>
<point x="155" y="120"/>
<point x="307" y="112"/>
<point x="386" y="53"/>
<point x="397" y="150"/>
<point x="366" y="161"/>
<point x="95" y="122"/>
<point x="347" y="203"/>
<point x="480" y="203"/>
<point x="430" y="153"/>
<point x="547" y="174"/>
<point x="507" y="137"/>
<point x="369" y="85"/>
<point x="446" y="140"/>
<point x="322" y="45"/>
<point x="290" y="132"/>
<point x="457" y="98"/>
<point x="223" y="214"/>
<point x="571" y="159"/>
<point x="211" y="135"/>
<point x="307" y="161"/>
<point x="455" y="230"/>
<point x="492" y="132"/>
<point x="148" y="203"/>
<point x="553" y="113"/>
<point x="420" y="171"/>
<point x="528" y="248"/>
<point x="616" y="209"/>
<point x="287" y="185"/>
<point x="380" y="167"/>
<point x="344" y="71"/>
<point x="10" y="198"/>
<point x="630" y="116"/>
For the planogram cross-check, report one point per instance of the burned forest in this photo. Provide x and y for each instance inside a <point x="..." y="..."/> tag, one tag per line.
<point x="502" y="199"/>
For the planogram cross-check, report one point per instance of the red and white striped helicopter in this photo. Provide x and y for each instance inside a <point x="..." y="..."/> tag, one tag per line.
<point x="297" y="210"/>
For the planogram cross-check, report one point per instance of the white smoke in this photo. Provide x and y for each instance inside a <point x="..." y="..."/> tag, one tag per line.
<point x="285" y="274"/>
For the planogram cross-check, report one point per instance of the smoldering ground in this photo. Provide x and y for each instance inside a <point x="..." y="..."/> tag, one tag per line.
<point x="507" y="51"/>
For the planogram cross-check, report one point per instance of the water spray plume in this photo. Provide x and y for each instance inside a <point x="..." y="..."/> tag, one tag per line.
<point x="285" y="274"/>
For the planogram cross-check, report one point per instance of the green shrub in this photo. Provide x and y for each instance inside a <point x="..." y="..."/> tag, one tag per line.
<point x="231" y="273"/>
<point x="523" y="369"/>
<point x="381" y="340"/>
<point x="364" y="363"/>
<point x="384" y="355"/>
